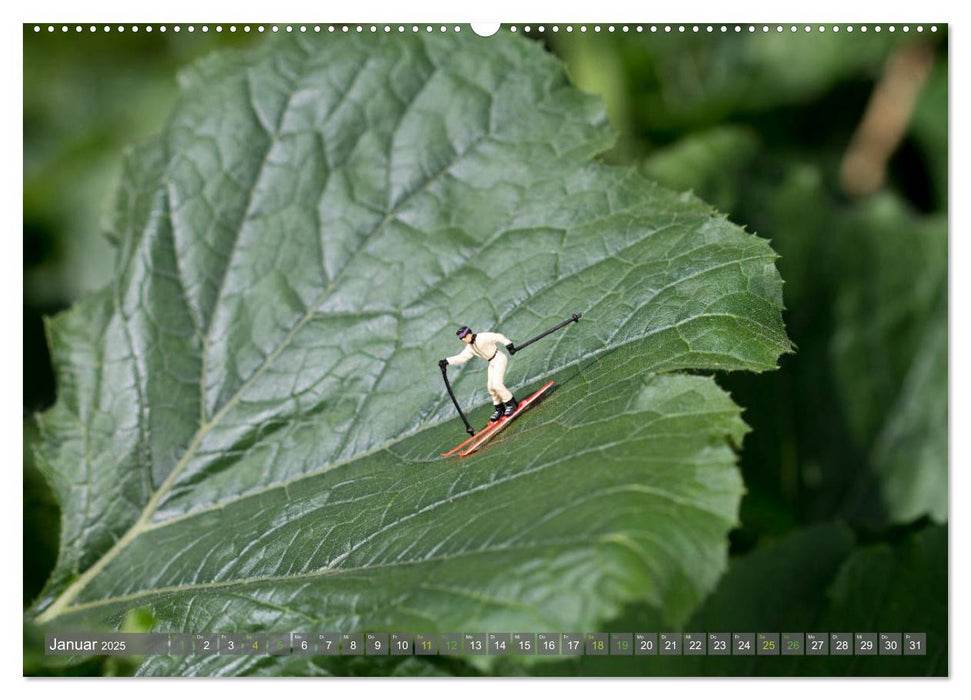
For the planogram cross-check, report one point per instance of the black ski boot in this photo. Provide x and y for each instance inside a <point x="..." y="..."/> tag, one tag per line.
<point x="511" y="406"/>
<point x="497" y="414"/>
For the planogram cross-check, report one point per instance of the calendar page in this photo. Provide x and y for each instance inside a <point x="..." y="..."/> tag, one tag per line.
<point x="527" y="349"/>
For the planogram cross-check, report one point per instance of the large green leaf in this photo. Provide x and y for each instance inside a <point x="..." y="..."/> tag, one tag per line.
<point x="249" y="419"/>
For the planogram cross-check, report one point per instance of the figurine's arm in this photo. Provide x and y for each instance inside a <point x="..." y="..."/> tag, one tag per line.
<point x="496" y="338"/>
<point x="461" y="358"/>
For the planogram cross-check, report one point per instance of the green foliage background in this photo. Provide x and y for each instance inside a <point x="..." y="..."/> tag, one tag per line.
<point x="845" y="516"/>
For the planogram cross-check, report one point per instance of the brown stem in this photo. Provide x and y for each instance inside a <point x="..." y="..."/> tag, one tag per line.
<point x="888" y="113"/>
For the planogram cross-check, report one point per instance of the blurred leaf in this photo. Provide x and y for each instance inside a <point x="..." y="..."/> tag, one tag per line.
<point x="86" y="96"/>
<point x="709" y="162"/>
<point x="248" y="423"/>
<point x="812" y="581"/>
<point x="41" y="519"/>
<point x="677" y="82"/>
<point x="901" y="587"/>
<point x="893" y="272"/>
<point x="890" y="351"/>
<point x="598" y="67"/>
<point x="910" y="453"/>
<point x="930" y="129"/>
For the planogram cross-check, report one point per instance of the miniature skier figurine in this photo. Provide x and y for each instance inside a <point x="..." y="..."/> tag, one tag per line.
<point x="486" y="346"/>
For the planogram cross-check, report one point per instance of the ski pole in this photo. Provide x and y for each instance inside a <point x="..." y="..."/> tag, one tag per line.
<point x="468" y="428"/>
<point x="513" y="348"/>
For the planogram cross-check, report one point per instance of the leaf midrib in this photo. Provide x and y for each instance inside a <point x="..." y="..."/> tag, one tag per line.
<point x="660" y="493"/>
<point x="332" y="571"/>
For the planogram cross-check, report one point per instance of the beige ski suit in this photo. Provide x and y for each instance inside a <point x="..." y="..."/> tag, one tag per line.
<point x="485" y="345"/>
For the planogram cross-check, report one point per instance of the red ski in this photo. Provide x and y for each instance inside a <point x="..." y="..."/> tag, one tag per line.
<point x="479" y="434"/>
<point x="489" y="427"/>
<point x="489" y="432"/>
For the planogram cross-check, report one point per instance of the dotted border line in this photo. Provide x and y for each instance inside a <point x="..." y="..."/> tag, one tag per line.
<point x="428" y="28"/>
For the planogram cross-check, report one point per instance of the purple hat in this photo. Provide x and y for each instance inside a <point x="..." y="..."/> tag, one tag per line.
<point x="463" y="331"/>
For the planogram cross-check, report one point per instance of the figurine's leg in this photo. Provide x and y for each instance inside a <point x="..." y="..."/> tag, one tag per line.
<point x="497" y="402"/>
<point x="497" y="371"/>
